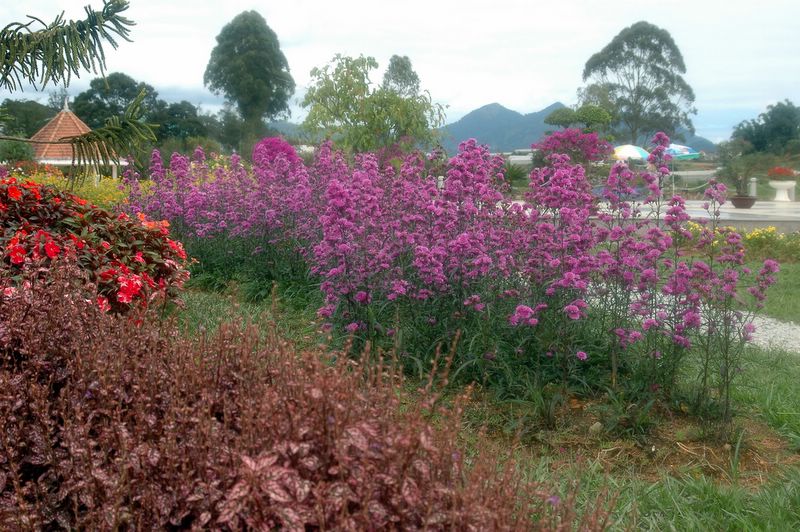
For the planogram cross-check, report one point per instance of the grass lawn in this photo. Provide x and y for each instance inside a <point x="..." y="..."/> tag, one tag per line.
<point x="783" y="299"/>
<point x="680" y="475"/>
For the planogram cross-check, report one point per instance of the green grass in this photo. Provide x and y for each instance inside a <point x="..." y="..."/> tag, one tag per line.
<point x="648" y="496"/>
<point x="783" y="298"/>
<point x="290" y="309"/>
<point x="769" y="389"/>
<point x="678" y="503"/>
<point x="686" y="498"/>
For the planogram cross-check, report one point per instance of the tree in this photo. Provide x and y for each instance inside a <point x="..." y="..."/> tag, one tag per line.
<point x="564" y="117"/>
<point x="641" y="72"/>
<point x="400" y="77"/>
<point x="178" y="120"/>
<point x="110" y="96"/>
<point x="593" y="117"/>
<point x="25" y="117"/>
<point x="773" y="130"/>
<point x="343" y="104"/>
<point x="56" y="98"/>
<point x="248" y="67"/>
<point x="57" y="51"/>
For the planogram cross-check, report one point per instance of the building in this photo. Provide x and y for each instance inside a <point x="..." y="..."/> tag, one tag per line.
<point x="64" y="124"/>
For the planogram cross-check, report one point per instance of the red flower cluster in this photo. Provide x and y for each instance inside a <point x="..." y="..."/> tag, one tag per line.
<point x="128" y="259"/>
<point x="781" y="172"/>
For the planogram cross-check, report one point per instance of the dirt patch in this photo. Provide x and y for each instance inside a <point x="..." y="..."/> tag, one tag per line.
<point x="676" y="445"/>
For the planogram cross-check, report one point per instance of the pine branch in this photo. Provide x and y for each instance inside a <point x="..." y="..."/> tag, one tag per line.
<point x="62" y="48"/>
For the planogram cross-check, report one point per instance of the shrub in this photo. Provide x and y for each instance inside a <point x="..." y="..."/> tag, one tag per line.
<point x="266" y="150"/>
<point x="107" y="193"/>
<point x="106" y="424"/>
<point x="13" y="152"/>
<point x="129" y="260"/>
<point x="554" y="288"/>
<point x="582" y="148"/>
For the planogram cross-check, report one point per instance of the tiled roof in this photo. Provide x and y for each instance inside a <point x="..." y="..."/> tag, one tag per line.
<point x="64" y="124"/>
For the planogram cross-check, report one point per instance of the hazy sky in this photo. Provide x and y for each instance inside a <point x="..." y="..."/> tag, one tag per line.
<point x="740" y="55"/>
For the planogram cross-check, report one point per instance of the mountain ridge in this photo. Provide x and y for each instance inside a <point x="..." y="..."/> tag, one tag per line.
<point x="504" y="129"/>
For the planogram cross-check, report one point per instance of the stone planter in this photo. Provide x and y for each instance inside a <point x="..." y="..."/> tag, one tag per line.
<point x="782" y="189"/>
<point x="743" y="202"/>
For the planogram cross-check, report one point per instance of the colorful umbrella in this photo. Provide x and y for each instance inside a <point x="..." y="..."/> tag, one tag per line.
<point x="629" y="151"/>
<point x="682" y="153"/>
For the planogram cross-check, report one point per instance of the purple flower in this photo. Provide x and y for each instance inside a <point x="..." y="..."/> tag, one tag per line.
<point x="573" y="312"/>
<point x="581" y="355"/>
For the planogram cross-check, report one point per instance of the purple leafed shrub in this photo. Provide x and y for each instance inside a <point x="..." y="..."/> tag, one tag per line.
<point x="110" y="422"/>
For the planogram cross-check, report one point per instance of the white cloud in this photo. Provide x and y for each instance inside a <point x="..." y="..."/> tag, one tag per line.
<point x="740" y="55"/>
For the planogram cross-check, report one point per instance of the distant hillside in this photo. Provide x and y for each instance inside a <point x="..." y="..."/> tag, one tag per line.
<point x="502" y="129"/>
<point x="506" y="130"/>
<point x="285" y="128"/>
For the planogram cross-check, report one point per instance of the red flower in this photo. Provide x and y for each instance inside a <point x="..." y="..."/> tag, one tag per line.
<point x="17" y="254"/>
<point x="124" y="297"/>
<point x="77" y="241"/>
<point x="177" y="248"/>
<point x="102" y="302"/>
<point x="108" y="274"/>
<point x="51" y="249"/>
<point x="14" y="193"/>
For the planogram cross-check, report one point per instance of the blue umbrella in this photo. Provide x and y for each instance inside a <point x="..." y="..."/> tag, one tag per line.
<point x="682" y="153"/>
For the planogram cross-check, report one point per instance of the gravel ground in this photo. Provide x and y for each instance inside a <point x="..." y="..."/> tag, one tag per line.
<point x="775" y="333"/>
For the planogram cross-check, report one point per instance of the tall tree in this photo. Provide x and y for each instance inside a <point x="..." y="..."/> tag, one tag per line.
<point x="343" y="104"/>
<point x="641" y="72"/>
<point x="61" y="49"/>
<point x="773" y="129"/>
<point x="248" y="67"/>
<point x="400" y="77"/>
<point x="110" y="96"/>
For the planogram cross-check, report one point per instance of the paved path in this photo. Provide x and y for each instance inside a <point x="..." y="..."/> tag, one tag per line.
<point x="775" y="333"/>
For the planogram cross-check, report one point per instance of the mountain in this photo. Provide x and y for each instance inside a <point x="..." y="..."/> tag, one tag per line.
<point x="506" y="130"/>
<point x="285" y="128"/>
<point x="501" y="128"/>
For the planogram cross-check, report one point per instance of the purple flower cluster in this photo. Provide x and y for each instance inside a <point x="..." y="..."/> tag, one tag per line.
<point x="383" y="236"/>
<point x="579" y="146"/>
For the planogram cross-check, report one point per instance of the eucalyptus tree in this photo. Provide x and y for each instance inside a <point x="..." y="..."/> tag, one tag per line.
<point x="400" y="77"/>
<point x="249" y="68"/>
<point x="641" y="72"/>
<point x="37" y="53"/>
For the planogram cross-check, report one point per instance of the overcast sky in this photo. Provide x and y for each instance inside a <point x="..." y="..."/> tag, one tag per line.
<point x="740" y="55"/>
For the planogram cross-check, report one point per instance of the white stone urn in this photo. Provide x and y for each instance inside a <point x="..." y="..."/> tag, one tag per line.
<point x="782" y="189"/>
